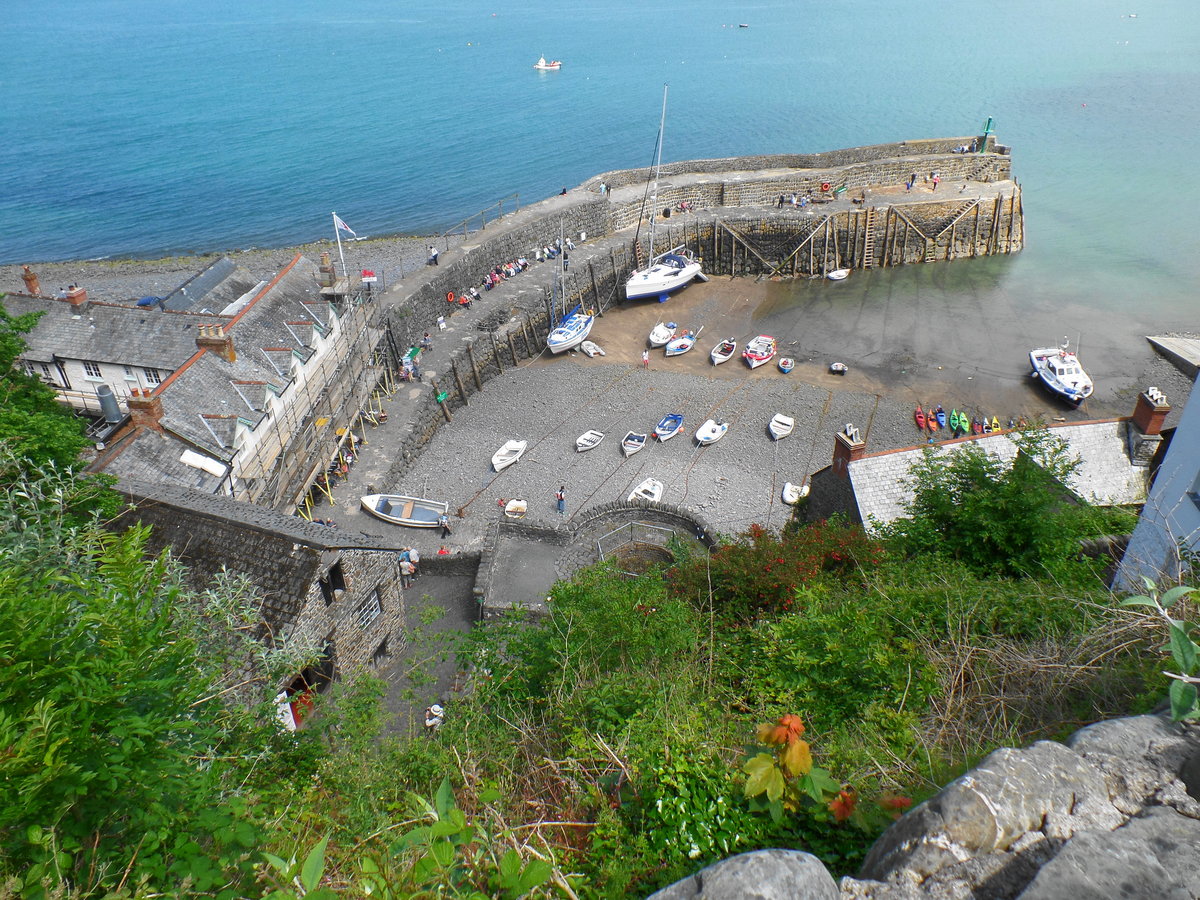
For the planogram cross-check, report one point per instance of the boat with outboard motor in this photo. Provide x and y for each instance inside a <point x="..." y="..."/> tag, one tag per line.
<point x="662" y="333"/>
<point x="759" y="351"/>
<point x="1060" y="371"/>
<point x="544" y="65"/>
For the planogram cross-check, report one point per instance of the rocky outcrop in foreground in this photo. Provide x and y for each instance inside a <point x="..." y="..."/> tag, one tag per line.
<point x="1112" y="813"/>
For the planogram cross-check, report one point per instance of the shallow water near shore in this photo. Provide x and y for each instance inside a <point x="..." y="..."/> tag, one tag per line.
<point x="163" y="128"/>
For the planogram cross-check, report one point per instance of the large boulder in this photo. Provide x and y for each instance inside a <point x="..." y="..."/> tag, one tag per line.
<point x="761" y="875"/>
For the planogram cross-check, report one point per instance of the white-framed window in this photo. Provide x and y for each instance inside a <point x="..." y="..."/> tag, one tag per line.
<point x="152" y="376"/>
<point x="130" y="375"/>
<point x="92" y="369"/>
<point x="46" y="372"/>
<point x="29" y="369"/>
<point x="368" y="611"/>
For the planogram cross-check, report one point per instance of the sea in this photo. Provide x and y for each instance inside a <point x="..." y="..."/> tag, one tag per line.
<point x="147" y="128"/>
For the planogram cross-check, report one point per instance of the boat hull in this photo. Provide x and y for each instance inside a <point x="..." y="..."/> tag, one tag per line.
<point x="571" y="333"/>
<point x="781" y="426"/>
<point x="413" y="512"/>
<point x="508" y="454"/>
<point x="659" y="279"/>
<point x="668" y="427"/>
<point x="711" y="432"/>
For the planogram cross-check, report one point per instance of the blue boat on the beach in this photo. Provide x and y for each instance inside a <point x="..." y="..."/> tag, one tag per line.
<point x="669" y="426"/>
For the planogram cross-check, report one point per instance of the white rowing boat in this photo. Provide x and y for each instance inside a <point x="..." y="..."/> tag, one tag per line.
<point x="781" y="426"/>
<point x="651" y="489"/>
<point x="508" y="454"/>
<point x="589" y="440"/>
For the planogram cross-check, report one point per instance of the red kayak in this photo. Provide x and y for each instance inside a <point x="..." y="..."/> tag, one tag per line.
<point x="919" y="415"/>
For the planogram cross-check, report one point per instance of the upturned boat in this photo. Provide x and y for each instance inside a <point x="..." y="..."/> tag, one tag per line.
<point x="1060" y="371"/>
<point x="759" y="351"/>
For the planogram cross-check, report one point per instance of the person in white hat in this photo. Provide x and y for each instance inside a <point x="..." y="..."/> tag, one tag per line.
<point x="434" y="716"/>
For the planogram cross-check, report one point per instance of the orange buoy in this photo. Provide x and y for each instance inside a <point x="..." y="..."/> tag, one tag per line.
<point x="449" y="296"/>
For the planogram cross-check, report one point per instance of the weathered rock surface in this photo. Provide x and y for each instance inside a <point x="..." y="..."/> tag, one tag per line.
<point x="762" y="875"/>
<point x="1111" y="814"/>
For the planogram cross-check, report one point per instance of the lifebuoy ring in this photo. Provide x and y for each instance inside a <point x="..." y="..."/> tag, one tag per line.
<point x="825" y="185"/>
<point x="449" y="296"/>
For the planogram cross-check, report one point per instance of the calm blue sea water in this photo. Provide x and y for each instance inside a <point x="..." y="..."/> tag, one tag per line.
<point x="143" y="127"/>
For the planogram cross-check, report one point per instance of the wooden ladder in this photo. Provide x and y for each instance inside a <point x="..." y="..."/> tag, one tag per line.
<point x="868" y="248"/>
<point x="931" y="244"/>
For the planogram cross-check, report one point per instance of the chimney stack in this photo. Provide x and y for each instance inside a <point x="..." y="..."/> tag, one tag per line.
<point x="1144" y="436"/>
<point x="145" y="409"/>
<point x="77" y="296"/>
<point x="214" y="339"/>
<point x="326" y="272"/>
<point x="33" y="287"/>
<point x="848" y="446"/>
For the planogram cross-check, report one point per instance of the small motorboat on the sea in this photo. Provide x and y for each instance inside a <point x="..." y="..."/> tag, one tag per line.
<point x="759" y="351"/>
<point x="632" y="442"/>
<point x="661" y="333"/>
<point x="668" y="426"/>
<point x="1059" y="370"/>
<point x="651" y="489"/>
<point x="781" y="426"/>
<point x="415" y="512"/>
<point x="508" y="454"/>
<point x="711" y="432"/>
<point x="589" y="440"/>
<point x="723" y="352"/>
<point x="544" y="66"/>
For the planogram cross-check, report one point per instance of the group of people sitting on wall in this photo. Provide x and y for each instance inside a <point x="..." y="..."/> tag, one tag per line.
<point x="507" y="270"/>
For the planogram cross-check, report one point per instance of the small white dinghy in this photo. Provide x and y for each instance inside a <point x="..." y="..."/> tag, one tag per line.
<point x="661" y="333"/>
<point x="723" y="352"/>
<point x="589" y="440"/>
<point x="781" y="426"/>
<point x="632" y="442"/>
<point x="651" y="489"/>
<point x="591" y="348"/>
<point x="508" y="454"/>
<point x="794" y="493"/>
<point x="711" y="432"/>
<point x="415" y="512"/>
<point x="837" y="274"/>
<point x="514" y="509"/>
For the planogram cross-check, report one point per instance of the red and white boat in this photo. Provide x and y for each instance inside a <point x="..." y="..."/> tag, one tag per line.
<point x="759" y="351"/>
<point x="550" y="66"/>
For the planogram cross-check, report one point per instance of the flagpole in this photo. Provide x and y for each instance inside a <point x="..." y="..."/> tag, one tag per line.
<point x="337" y="235"/>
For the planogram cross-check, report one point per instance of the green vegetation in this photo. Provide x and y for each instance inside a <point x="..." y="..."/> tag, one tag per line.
<point x="785" y="690"/>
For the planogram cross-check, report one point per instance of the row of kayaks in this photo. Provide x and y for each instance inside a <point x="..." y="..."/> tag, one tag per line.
<point x="959" y="423"/>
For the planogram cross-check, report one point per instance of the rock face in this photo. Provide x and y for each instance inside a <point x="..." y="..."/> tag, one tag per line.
<point x="1112" y="813"/>
<point x="762" y="875"/>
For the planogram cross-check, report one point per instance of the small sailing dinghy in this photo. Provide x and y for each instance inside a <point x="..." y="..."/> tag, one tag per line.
<point x="793" y="493"/>
<point x="711" y="432"/>
<point x="723" y="352"/>
<point x="591" y="348"/>
<point x="661" y="333"/>
<point x="651" y="489"/>
<point x="759" y="351"/>
<point x="508" y="454"/>
<point x="781" y="426"/>
<point x="589" y="440"/>
<point x="632" y="443"/>
<point x="683" y="343"/>
<point x="786" y="364"/>
<point x="669" y="426"/>
<point x="415" y="512"/>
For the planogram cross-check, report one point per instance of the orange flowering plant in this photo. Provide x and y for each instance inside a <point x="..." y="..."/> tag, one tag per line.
<point x="781" y="775"/>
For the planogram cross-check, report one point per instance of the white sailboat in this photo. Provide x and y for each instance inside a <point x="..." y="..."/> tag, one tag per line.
<point x="668" y="271"/>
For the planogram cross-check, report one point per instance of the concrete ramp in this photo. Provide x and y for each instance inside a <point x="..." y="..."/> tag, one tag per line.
<point x="1183" y="351"/>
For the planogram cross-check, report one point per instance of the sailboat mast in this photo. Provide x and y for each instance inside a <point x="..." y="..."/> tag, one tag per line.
<point x="662" y="125"/>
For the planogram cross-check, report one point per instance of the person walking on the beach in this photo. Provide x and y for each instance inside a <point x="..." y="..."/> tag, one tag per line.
<point x="561" y="496"/>
<point x="444" y="524"/>
<point x="645" y="359"/>
<point x="936" y="179"/>
<point x="433" y="255"/>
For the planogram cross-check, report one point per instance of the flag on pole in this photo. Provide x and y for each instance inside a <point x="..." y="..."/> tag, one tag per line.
<point x="337" y="221"/>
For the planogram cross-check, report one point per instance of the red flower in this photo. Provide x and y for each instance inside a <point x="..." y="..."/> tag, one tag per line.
<point x="842" y="806"/>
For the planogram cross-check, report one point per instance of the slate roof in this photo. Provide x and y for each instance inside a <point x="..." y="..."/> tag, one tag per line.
<point x="213" y="288"/>
<point x="1105" y="477"/>
<point x="108" y="332"/>
<point x="207" y="395"/>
